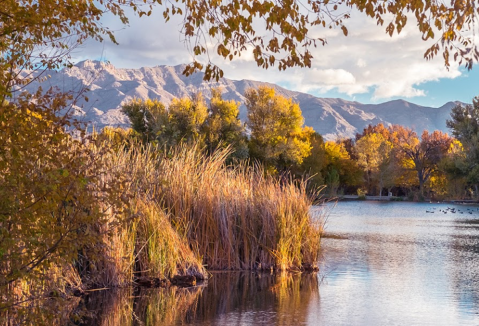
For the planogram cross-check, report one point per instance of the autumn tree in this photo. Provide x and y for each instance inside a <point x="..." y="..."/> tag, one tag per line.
<point x="39" y="35"/>
<point x="424" y="155"/>
<point x="374" y="153"/>
<point x="58" y="194"/>
<point x="223" y="126"/>
<point x="187" y="116"/>
<point x="233" y="27"/>
<point x="340" y="169"/>
<point x="454" y="171"/>
<point x="182" y="121"/>
<point x="375" y="129"/>
<point x="314" y="164"/>
<point x="148" y="118"/>
<point x="278" y="137"/>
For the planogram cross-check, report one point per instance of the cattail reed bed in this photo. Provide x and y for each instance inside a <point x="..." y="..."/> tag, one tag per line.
<point x="185" y="213"/>
<point x="234" y="217"/>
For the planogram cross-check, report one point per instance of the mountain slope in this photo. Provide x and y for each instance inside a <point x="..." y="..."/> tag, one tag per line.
<point x="109" y="87"/>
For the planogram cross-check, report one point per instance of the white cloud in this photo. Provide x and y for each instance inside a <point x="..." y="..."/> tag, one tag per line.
<point x="392" y="89"/>
<point x="328" y="77"/>
<point x="367" y="60"/>
<point x="361" y="63"/>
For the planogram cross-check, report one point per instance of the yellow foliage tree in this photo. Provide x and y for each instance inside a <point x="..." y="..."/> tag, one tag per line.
<point x="374" y="153"/>
<point x="340" y="169"/>
<point x="278" y="136"/>
<point x="187" y="116"/>
<point x="182" y="121"/>
<point x="223" y="126"/>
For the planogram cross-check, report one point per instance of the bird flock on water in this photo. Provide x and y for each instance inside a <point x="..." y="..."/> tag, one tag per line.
<point x="453" y="210"/>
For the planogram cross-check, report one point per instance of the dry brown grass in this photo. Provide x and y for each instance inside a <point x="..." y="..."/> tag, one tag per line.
<point x="234" y="217"/>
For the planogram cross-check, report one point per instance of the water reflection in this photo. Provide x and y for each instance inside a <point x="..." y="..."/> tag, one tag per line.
<point x="229" y="298"/>
<point x="400" y="266"/>
<point x="139" y="307"/>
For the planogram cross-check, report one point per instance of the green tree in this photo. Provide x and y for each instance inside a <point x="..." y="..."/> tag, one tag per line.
<point x="454" y="167"/>
<point x="464" y="124"/>
<point x="223" y="126"/>
<point x="278" y="137"/>
<point x="340" y="170"/>
<point x="181" y="122"/>
<point x="149" y="118"/>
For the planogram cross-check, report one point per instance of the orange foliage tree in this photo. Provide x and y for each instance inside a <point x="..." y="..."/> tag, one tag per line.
<point x="423" y="154"/>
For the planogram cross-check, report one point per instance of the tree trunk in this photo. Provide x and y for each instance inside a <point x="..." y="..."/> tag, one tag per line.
<point x="420" y="176"/>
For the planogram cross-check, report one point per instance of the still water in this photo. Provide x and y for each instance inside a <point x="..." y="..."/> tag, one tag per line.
<point x="382" y="264"/>
<point x="400" y="264"/>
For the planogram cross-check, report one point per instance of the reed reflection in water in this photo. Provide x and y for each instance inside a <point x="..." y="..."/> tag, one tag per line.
<point x="229" y="298"/>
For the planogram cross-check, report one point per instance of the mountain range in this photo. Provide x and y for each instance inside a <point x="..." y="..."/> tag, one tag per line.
<point x="109" y="87"/>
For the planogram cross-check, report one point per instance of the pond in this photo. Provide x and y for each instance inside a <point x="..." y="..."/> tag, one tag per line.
<point x="383" y="263"/>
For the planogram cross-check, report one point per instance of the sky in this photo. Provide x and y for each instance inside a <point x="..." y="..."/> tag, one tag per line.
<point x="367" y="66"/>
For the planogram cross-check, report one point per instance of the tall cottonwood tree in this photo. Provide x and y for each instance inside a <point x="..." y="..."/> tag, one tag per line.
<point x="314" y="164"/>
<point x="187" y="116"/>
<point x="148" y="118"/>
<point x="182" y="121"/>
<point x="340" y="169"/>
<point x="223" y="126"/>
<point x="374" y="156"/>
<point x="278" y="135"/>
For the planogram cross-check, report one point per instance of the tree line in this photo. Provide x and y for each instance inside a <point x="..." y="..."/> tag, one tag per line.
<point x="378" y="161"/>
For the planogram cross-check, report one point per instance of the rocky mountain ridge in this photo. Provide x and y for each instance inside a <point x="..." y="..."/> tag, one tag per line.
<point x="108" y="87"/>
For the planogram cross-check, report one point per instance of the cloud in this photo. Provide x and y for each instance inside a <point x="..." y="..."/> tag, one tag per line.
<point x="392" y="89"/>
<point x="367" y="61"/>
<point x="331" y="77"/>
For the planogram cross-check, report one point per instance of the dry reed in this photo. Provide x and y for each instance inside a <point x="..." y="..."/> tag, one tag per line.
<point x="234" y="217"/>
<point x="188" y="211"/>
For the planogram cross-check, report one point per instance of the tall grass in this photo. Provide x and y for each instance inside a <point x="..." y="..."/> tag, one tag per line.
<point x="234" y="217"/>
<point x="187" y="212"/>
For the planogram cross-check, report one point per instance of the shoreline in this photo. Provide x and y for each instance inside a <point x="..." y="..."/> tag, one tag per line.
<point x="399" y="198"/>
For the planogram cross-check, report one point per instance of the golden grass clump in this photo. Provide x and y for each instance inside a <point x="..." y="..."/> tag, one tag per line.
<point x="233" y="217"/>
<point x="160" y="250"/>
<point x="236" y="217"/>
